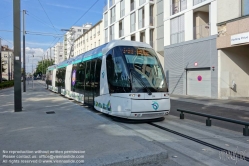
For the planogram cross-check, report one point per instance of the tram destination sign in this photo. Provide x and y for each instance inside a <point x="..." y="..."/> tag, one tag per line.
<point x="240" y="38"/>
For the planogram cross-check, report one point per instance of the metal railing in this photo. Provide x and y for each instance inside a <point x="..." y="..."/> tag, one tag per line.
<point x="178" y="7"/>
<point x="201" y="31"/>
<point x="177" y="37"/>
<point x="198" y="1"/>
<point x="208" y="120"/>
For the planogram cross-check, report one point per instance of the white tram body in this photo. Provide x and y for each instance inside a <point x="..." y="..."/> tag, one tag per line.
<point x="120" y="78"/>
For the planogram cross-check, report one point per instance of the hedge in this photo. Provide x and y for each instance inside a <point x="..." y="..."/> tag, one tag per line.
<point x="6" y="84"/>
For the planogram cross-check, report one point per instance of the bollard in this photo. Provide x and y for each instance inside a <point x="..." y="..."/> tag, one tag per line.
<point x="246" y="131"/>
<point x="181" y="115"/>
<point x="208" y="122"/>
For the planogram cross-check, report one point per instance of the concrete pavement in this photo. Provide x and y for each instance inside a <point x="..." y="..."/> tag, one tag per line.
<point x="71" y="127"/>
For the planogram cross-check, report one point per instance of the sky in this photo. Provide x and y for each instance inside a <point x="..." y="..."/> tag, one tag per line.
<point x="46" y="17"/>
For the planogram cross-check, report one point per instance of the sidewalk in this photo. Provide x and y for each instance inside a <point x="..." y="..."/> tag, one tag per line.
<point x="71" y="128"/>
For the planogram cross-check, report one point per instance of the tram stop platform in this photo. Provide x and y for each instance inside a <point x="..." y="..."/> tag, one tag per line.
<point x="73" y="128"/>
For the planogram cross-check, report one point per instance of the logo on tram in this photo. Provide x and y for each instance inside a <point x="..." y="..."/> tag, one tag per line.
<point x="155" y="105"/>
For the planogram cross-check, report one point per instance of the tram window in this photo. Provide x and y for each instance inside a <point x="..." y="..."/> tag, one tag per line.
<point x="97" y="77"/>
<point x="118" y="77"/>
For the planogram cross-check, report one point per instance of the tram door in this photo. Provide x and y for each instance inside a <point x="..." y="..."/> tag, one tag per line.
<point x="89" y="83"/>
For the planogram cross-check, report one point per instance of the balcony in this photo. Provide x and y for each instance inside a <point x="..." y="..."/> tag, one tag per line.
<point x="141" y="23"/>
<point x="198" y="1"/>
<point x="121" y="32"/>
<point x="132" y="6"/>
<point x="178" y="7"/>
<point x="201" y="31"/>
<point x="177" y="37"/>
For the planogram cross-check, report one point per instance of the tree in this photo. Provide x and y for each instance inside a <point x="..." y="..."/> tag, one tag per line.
<point x="42" y="66"/>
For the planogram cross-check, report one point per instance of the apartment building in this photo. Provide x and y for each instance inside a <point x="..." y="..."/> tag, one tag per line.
<point x="130" y="20"/>
<point x="92" y="38"/>
<point x="233" y="48"/>
<point x="71" y="35"/>
<point x="190" y="53"/>
<point x="7" y="61"/>
<point x="58" y="53"/>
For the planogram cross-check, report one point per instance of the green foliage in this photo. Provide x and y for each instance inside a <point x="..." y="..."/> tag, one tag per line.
<point x="42" y="66"/>
<point x="6" y="84"/>
<point x="3" y="69"/>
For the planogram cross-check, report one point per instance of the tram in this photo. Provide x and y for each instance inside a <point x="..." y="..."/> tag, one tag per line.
<point x="120" y="78"/>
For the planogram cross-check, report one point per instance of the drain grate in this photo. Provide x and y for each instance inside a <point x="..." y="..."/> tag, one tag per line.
<point x="50" y="112"/>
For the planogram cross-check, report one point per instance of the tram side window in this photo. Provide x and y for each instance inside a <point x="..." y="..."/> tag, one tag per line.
<point x="97" y="77"/>
<point x="79" y="83"/>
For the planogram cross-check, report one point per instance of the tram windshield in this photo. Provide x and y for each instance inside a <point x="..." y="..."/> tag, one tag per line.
<point x="146" y="71"/>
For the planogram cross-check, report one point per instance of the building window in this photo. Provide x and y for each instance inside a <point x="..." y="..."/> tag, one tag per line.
<point x="111" y="2"/>
<point x="245" y="7"/>
<point x="106" y="35"/>
<point x="106" y="19"/>
<point x="141" y="2"/>
<point x="198" y="1"/>
<point x="111" y="32"/>
<point x="113" y="15"/>
<point x="177" y="30"/>
<point x="141" y="18"/>
<point x="132" y="5"/>
<point x="121" y="28"/>
<point x="122" y="8"/>
<point x="133" y="22"/>
<point x="79" y="30"/>
<point x="178" y="6"/>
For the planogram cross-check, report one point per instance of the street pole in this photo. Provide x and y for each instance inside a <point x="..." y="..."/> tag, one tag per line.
<point x="0" y="61"/>
<point x="24" y="68"/>
<point x="32" y="74"/>
<point x="17" y="56"/>
<point x="8" y="66"/>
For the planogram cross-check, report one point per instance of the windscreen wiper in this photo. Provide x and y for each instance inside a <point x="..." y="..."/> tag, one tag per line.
<point x="134" y="73"/>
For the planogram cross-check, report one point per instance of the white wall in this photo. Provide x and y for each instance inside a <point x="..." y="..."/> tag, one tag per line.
<point x="227" y="10"/>
<point x="188" y="25"/>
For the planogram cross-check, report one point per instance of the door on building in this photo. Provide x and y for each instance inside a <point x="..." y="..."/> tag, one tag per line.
<point x="199" y="82"/>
